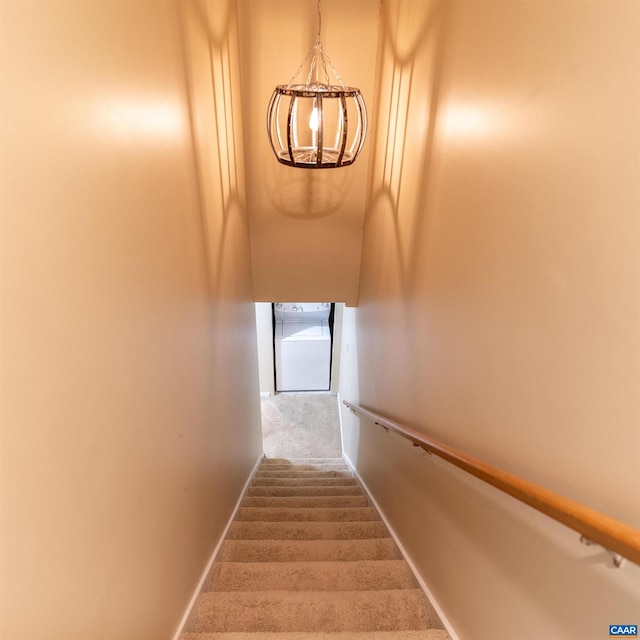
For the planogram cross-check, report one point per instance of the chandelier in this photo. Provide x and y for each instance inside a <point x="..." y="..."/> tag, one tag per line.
<point x="319" y="124"/>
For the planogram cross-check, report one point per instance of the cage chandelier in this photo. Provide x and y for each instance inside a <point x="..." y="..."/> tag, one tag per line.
<point x="318" y="124"/>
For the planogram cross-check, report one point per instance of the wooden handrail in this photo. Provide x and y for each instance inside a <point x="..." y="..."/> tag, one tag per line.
<point x="613" y="535"/>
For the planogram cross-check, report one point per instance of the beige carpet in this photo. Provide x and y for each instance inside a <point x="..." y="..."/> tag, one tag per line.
<point x="308" y="558"/>
<point x="301" y="425"/>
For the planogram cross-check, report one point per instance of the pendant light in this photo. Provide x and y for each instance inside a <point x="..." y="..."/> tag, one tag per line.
<point x="319" y="124"/>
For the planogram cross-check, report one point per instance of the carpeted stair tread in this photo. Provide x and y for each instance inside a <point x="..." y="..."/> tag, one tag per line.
<point x="303" y="482"/>
<point x="334" y="466"/>
<point x="306" y="514"/>
<point x="293" y="490"/>
<point x="259" y="530"/>
<point x="308" y="550"/>
<point x="312" y="502"/>
<point x="311" y="576"/>
<point x="424" y="634"/>
<point x="304" y="474"/>
<point x="385" y="610"/>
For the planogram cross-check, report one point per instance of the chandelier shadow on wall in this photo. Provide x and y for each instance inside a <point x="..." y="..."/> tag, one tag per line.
<point x="319" y="124"/>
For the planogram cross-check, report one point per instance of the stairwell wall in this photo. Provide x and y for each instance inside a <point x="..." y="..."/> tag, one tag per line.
<point x="130" y="411"/>
<point x="499" y="305"/>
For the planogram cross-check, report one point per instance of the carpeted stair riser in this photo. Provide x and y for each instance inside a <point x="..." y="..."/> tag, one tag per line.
<point x="280" y="491"/>
<point x="294" y="462"/>
<point x="306" y="530"/>
<point x="308" y="550"/>
<point x="304" y="482"/>
<point x="306" y="514"/>
<point x="424" y="634"/>
<point x="304" y="475"/>
<point x="311" y="576"/>
<point x="386" y="610"/>
<point x="312" y="502"/>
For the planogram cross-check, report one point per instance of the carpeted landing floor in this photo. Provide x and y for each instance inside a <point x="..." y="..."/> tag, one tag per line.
<point x="307" y="558"/>
<point x="301" y="425"/>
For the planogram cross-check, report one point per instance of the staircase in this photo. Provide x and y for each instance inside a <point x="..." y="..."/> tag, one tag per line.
<point x="306" y="558"/>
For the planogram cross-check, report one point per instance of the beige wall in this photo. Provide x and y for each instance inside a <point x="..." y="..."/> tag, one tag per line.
<point x="130" y="416"/>
<point x="499" y="301"/>
<point x="306" y="225"/>
<point x="264" y="327"/>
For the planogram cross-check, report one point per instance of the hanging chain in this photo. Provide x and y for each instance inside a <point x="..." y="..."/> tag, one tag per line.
<point x="319" y="24"/>
<point x="317" y="51"/>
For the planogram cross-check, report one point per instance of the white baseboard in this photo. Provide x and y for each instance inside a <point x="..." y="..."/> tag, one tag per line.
<point x="188" y="618"/>
<point x="423" y="585"/>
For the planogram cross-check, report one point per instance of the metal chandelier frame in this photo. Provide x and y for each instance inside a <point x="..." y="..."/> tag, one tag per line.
<point x="318" y="124"/>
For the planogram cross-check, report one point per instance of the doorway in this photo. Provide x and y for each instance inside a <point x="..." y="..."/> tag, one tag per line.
<point x="265" y="325"/>
<point x="298" y="424"/>
<point x="302" y="345"/>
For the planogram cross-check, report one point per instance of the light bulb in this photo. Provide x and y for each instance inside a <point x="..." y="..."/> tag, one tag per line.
<point x="313" y="120"/>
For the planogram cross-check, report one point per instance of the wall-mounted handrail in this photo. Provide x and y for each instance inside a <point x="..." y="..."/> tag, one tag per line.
<point x="595" y="527"/>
